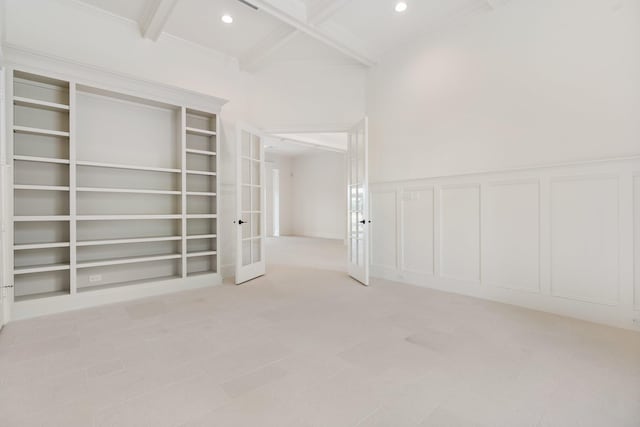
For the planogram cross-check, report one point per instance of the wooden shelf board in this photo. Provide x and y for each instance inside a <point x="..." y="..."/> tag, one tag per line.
<point x="126" y="190"/>
<point x="192" y="172"/>
<point x="201" y="216"/>
<point x="38" y="131"/>
<point x="40" y="268"/>
<point x="41" y="218"/>
<point x="41" y="159"/>
<point x="29" y="102"/>
<point x="202" y="236"/>
<point x="25" y="247"/>
<point x="126" y="260"/>
<point x="197" y="131"/>
<point x="201" y="254"/>
<point x="40" y="187"/>
<point x="126" y="241"/>
<point x="203" y="152"/>
<point x="124" y="217"/>
<point x="201" y="193"/>
<point x="201" y="273"/>
<point x="129" y="167"/>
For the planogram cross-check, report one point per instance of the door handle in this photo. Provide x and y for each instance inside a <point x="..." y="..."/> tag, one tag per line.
<point x="365" y="221"/>
<point x="242" y="222"/>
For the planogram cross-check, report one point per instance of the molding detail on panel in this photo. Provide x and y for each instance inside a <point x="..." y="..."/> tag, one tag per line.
<point x="599" y="199"/>
<point x="468" y="244"/>
<point x="384" y="212"/>
<point x="413" y="194"/>
<point x="586" y="207"/>
<point x="511" y="235"/>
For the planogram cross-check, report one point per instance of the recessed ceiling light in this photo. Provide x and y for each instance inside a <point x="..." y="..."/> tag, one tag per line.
<point x="227" y="19"/>
<point x="401" y="6"/>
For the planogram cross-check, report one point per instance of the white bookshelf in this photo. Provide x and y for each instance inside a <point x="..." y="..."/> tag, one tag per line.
<point x="113" y="193"/>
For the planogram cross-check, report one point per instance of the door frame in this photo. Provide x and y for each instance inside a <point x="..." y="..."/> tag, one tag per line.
<point x="246" y="273"/>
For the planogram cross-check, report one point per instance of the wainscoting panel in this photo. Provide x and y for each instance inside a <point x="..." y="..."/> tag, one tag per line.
<point x="584" y="239"/>
<point x="562" y="238"/>
<point x="511" y="235"/>
<point x="418" y="222"/>
<point x="384" y="210"/>
<point x="460" y="232"/>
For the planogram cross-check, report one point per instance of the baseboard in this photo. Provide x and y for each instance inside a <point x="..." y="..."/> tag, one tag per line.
<point x="58" y="304"/>
<point x="616" y="316"/>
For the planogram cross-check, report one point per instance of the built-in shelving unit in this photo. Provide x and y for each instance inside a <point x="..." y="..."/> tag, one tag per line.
<point x="200" y="189"/>
<point x="111" y="191"/>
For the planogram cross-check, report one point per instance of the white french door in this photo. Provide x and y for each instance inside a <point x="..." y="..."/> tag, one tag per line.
<point x="358" y="202"/>
<point x="250" y="219"/>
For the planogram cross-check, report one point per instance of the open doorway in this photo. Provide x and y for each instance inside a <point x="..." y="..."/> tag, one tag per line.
<point x="306" y="204"/>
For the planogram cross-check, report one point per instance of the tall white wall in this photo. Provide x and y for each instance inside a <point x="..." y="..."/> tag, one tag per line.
<point x="319" y="205"/>
<point x="456" y="118"/>
<point x="530" y="83"/>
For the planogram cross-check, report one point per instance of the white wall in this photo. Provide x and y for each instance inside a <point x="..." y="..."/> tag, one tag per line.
<point x="73" y="33"/>
<point x="534" y="83"/>
<point x="319" y="205"/>
<point x="284" y="165"/>
<point x="531" y="83"/>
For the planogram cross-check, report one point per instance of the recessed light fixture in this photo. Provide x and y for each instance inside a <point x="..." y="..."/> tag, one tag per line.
<point x="227" y="19"/>
<point x="401" y="6"/>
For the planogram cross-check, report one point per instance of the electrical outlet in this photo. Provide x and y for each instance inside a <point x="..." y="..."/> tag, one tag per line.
<point x="95" y="278"/>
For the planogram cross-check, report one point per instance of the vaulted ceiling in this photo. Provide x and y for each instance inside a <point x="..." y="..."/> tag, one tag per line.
<point x="344" y="31"/>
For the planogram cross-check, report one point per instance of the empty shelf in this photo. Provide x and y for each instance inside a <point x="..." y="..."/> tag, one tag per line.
<point x="40" y="187"/>
<point x="28" y="102"/>
<point x="37" y="131"/>
<point x="124" y="217"/>
<point x="25" y="247"/>
<point x="203" y="152"/>
<point x="129" y="167"/>
<point x="41" y="295"/>
<point x="126" y="190"/>
<point x="192" y="172"/>
<point x="203" y="253"/>
<point x="202" y="236"/>
<point x="40" y="268"/>
<point x="127" y="260"/>
<point x="197" y="131"/>
<point x="125" y="241"/>
<point x="201" y="216"/>
<point x="41" y="218"/>
<point x="41" y="159"/>
<point x="122" y="284"/>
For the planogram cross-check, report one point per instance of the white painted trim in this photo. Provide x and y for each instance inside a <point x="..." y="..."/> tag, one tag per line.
<point x="92" y="298"/>
<point x="101" y="78"/>
<point x="155" y="18"/>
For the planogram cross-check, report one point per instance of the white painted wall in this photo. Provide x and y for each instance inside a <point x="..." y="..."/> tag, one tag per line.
<point x="284" y="165"/>
<point x="456" y="119"/>
<point x="531" y="83"/>
<point x="319" y="205"/>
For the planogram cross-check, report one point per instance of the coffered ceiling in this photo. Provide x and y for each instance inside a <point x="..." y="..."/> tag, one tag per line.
<point x="344" y="31"/>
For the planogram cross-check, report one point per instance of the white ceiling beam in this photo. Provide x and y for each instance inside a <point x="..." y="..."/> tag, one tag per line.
<point x="155" y="18"/>
<point x="309" y="29"/>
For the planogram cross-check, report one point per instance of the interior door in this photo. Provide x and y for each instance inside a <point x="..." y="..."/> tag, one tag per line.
<point x="358" y="202"/>
<point x="250" y="206"/>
